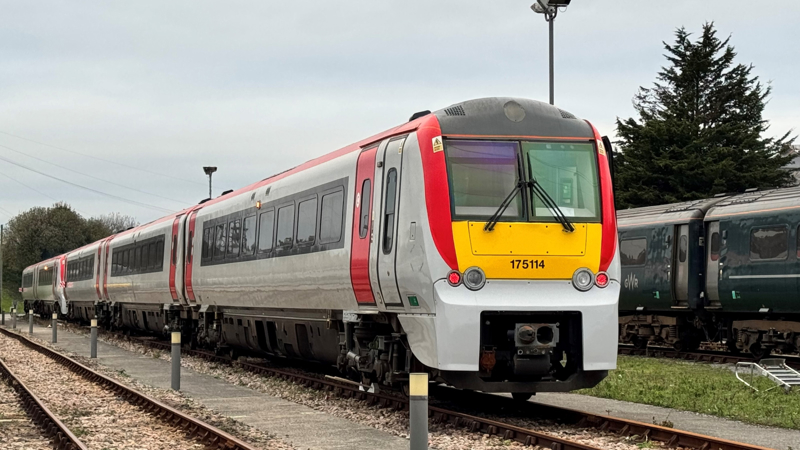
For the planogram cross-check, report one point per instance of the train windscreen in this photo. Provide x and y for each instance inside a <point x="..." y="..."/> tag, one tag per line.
<point x="483" y="174"/>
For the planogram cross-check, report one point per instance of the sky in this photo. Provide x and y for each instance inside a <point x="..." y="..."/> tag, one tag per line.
<point x="119" y="105"/>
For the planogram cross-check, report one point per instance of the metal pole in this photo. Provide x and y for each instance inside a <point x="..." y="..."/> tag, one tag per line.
<point x="55" y="328"/>
<point x="13" y="318"/>
<point x="2" y="316"/>
<point x="176" y="360"/>
<point x="93" y="340"/>
<point x="1" y="272"/>
<point x="209" y="185"/>
<point x="30" y="321"/>
<point x="418" y="410"/>
<point x="552" y="70"/>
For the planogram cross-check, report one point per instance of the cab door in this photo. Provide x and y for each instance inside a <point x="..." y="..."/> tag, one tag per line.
<point x="362" y="227"/>
<point x="386" y="234"/>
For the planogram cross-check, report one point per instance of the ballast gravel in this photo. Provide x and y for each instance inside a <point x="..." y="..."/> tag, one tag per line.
<point x="17" y="430"/>
<point x="441" y="436"/>
<point x="97" y="416"/>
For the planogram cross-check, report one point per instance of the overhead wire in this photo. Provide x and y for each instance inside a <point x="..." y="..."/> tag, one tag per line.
<point x="103" y="159"/>
<point x="37" y="191"/>
<point x="116" y="197"/>
<point x="92" y="176"/>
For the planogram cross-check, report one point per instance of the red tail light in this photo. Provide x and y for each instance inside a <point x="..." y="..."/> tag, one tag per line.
<point x="454" y="278"/>
<point x="601" y="280"/>
<point x="608" y="248"/>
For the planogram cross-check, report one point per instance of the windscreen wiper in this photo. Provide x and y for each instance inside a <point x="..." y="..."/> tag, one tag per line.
<point x="548" y="201"/>
<point x="503" y="206"/>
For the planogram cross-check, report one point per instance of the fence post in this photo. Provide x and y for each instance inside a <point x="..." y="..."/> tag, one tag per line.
<point x="418" y="410"/>
<point x="13" y="318"/>
<point x="93" y="340"/>
<point x="176" y="360"/>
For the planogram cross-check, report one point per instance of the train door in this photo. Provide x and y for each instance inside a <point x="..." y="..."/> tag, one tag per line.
<point x="362" y="227"/>
<point x="386" y="235"/>
<point x="680" y="260"/>
<point x="189" y="260"/>
<point x="175" y="255"/>
<point x="713" y="265"/>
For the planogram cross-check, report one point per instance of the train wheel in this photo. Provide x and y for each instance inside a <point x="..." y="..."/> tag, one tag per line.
<point x="639" y="343"/>
<point x="521" y="396"/>
<point x="759" y="351"/>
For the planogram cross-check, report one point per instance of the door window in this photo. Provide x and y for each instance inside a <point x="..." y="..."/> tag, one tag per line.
<point x="715" y="246"/>
<point x="388" y="214"/>
<point x="363" y="222"/>
<point x="683" y="248"/>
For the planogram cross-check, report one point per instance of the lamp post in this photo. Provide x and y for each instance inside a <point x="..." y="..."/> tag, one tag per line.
<point x="209" y="170"/>
<point x="550" y="10"/>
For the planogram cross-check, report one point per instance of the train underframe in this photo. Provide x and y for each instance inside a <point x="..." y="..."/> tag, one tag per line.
<point x="520" y="353"/>
<point x="738" y="332"/>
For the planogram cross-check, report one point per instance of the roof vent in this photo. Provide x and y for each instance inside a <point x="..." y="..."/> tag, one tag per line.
<point x="566" y="115"/>
<point x="751" y="189"/>
<point x="266" y="192"/>
<point x="455" y="111"/>
<point x="417" y="115"/>
<point x="204" y="200"/>
<point x="226" y="192"/>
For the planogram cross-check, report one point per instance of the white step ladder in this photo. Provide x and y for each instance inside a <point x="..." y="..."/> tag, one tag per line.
<point x="773" y="368"/>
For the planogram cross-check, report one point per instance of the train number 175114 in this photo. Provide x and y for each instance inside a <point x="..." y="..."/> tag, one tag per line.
<point x="527" y="264"/>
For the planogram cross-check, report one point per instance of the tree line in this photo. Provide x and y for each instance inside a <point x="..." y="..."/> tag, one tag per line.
<point x="44" y="232"/>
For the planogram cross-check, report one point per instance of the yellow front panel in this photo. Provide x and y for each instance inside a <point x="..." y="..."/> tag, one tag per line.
<point x="527" y="250"/>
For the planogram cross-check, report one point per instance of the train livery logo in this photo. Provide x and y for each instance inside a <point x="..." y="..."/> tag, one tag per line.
<point x="631" y="282"/>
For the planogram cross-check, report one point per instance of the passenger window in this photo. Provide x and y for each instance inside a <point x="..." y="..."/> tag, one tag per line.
<point x="307" y="221"/>
<point x="366" y="195"/>
<point x="714" y="248"/>
<point x="234" y="238"/>
<point x="221" y="241"/>
<point x="683" y="248"/>
<point x="160" y="255"/>
<point x="285" y="226"/>
<point x="330" y="227"/>
<point x="265" y="231"/>
<point x="145" y="257"/>
<point x="633" y="252"/>
<point x="207" y="243"/>
<point x="798" y="242"/>
<point x="137" y="258"/>
<point x="769" y="243"/>
<point x="153" y="260"/>
<point x="249" y="236"/>
<point x="388" y="213"/>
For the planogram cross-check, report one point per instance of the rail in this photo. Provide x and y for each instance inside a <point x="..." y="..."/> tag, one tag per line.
<point x="207" y="434"/>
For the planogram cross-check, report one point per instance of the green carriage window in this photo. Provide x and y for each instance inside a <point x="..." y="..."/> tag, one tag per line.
<point x="633" y="252"/>
<point x="769" y="243"/>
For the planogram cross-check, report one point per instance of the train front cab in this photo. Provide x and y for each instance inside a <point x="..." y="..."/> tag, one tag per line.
<point x="521" y="311"/>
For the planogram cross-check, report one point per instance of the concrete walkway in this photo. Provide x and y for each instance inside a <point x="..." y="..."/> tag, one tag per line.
<point x="299" y="425"/>
<point x="777" y="438"/>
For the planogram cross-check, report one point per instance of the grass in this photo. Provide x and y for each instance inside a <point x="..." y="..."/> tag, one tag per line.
<point x="698" y="387"/>
<point x="6" y="302"/>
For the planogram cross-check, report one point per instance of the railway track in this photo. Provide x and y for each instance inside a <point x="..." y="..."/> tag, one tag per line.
<point x="622" y="427"/>
<point x="709" y="356"/>
<point x="160" y="414"/>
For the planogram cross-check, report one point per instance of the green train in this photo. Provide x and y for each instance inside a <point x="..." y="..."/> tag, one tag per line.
<point x="724" y="269"/>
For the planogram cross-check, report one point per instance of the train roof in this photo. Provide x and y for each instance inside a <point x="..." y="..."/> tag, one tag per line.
<point x="506" y="117"/>
<point x="670" y="213"/>
<point x="771" y="200"/>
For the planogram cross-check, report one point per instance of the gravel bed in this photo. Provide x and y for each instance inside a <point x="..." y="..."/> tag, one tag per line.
<point x="442" y="436"/>
<point x="95" y="415"/>
<point x="17" y="430"/>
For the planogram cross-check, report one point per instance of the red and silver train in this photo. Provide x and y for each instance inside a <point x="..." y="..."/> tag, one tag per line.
<point x="477" y="243"/>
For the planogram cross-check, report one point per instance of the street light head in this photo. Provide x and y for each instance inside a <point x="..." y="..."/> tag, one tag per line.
<point x="209" y="170"/>
<point x="549" y="6"/>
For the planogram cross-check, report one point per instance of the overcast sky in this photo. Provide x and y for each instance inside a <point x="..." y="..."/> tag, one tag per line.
<point x="256" y="87"/>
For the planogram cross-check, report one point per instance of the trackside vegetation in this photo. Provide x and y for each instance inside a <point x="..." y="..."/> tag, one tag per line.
<point x="698" y="387"/>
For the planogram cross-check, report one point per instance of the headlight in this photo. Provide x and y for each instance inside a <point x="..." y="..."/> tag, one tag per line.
<point x="583" y="279"/>
<point x="474" y="278"/>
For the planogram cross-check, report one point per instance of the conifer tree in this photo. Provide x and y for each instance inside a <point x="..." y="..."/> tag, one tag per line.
<point x="700" y="129"/>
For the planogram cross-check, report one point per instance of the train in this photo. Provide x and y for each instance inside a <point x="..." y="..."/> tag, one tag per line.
<point x="476" y="243"/>
<point x="723" y="270"/>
